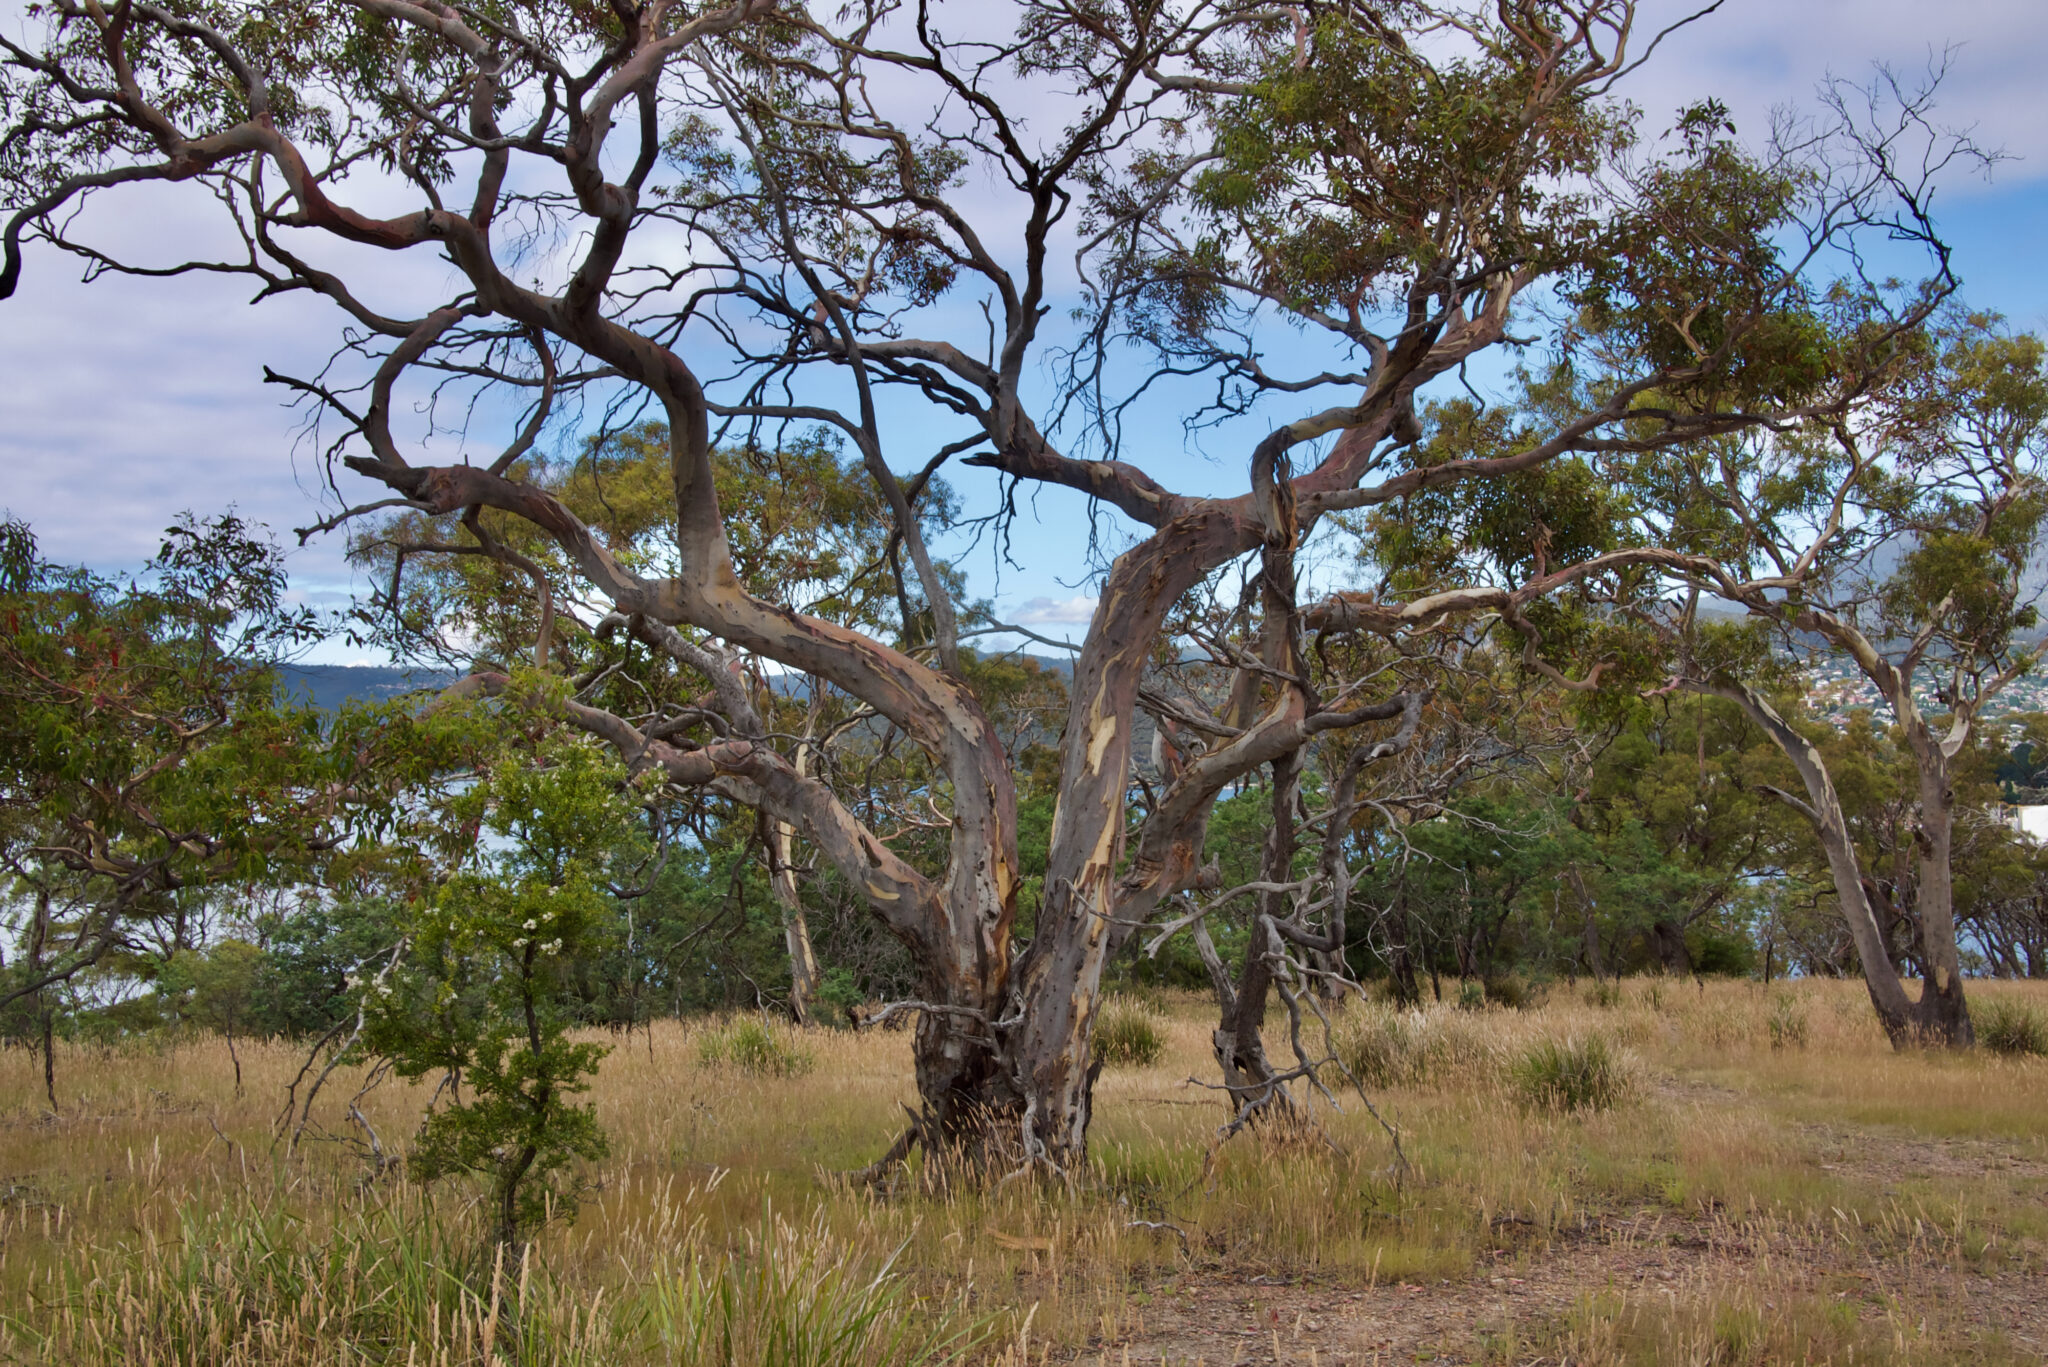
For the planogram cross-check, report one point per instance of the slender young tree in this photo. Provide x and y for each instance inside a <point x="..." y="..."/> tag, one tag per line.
<point x="867" y="211"/>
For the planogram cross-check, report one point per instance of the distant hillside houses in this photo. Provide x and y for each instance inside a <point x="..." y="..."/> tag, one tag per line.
<point x="1835" y="688"/>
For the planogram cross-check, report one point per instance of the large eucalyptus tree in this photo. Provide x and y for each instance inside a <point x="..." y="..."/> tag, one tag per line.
<point x="727" y="217"/>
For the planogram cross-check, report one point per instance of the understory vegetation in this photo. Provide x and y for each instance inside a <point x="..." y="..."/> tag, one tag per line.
<point x="155" y="1220"/>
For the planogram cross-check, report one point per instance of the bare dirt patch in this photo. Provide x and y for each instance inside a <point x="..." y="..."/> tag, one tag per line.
<point x="1515" y="1307"/>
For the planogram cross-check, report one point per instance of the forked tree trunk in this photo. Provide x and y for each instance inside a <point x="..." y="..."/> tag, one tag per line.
<point x="1240" y="1034"/>
<point x="1940" y="1015"/>
<point x="1667" y="943"/>
<point x="1239" y="1040"/>
<point x="1003" y="1048"/>
<point x="1942" y="1012"/>
<point x="1089" y="909"/>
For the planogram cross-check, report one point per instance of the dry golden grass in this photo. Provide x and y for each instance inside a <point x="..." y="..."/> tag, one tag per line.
<point x="153" y="1221"/>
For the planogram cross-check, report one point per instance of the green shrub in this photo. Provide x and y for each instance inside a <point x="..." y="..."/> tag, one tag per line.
<point x="838" y="997"/>
<point x="1127" y="1036"/>
<point x="1515" y="993"/>
<point x="2012" y="1029"/>
<point x="1603" y="994"/>
<point x="1570" y="1075"/>
<point x="1471" y="996"/>
<point x="755" y="1049"/>
<point x="1787" y="1024"/>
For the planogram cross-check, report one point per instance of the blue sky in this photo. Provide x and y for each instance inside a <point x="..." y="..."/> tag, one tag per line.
<point x="129" y="401"/>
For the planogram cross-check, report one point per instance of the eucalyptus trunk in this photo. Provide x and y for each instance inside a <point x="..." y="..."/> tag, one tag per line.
<point x="1940" y="1015"/>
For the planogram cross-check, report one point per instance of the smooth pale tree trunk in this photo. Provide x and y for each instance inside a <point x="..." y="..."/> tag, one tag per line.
<point x="796" y="930"/>
<point x="1090" y="905"/>
<point x="780" y="838"/>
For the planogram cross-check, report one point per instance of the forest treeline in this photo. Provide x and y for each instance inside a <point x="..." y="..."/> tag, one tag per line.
<point x="1584" y="840"/>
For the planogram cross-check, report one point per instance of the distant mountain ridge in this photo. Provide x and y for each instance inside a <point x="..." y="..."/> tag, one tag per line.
<point x="327" y="687"/>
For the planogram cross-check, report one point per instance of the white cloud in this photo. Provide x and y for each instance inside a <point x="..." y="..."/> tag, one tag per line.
<point x="1054" y="611"/>
<point x="1756" y="55"/>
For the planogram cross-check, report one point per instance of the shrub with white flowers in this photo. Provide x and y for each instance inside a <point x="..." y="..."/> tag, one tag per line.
<point x="485" y="996"/>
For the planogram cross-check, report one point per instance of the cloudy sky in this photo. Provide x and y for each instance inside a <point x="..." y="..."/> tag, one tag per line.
<point x="130" y="400"/>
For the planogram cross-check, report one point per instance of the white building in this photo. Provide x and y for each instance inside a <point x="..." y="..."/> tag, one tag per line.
<point x="2029" y="821"/>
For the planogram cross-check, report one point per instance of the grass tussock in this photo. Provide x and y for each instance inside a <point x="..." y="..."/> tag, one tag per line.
<point x="1386" y="1048"/>
<point x="1128" y="1036"/>
<point x="754" y="1048"/>
<point x="1787" y="1024"/>
<point x="2011" y="1028"/>
<point x="1571" y="1074"/>
<point x="1603" y="994"/>
<point x="794" y="1295"/>
<point x="1748" y="1323"/>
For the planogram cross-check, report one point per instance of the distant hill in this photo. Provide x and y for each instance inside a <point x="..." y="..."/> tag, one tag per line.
<point x="329" y="686"/>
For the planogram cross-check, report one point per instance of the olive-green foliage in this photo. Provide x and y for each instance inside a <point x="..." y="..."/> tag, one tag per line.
<point x="755" y="1048"/>
<point x="145" y="760"/>
<point x="1706" y="229"/>
<point x="310" y="951"/>
<point x="2011" y="1028"/>
<point x="1332" y="170"/>
<point x="1985" y="394"/>
<point x="1579" y="1074"/>
<point x="1512" y="991"/>
<point x="1127" y="1036"/>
